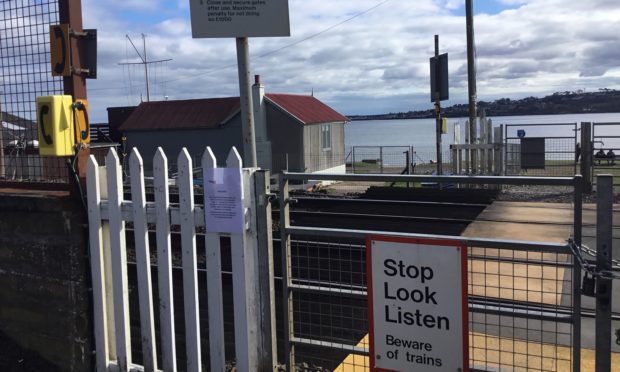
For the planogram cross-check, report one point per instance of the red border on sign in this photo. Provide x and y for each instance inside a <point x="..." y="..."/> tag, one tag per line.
<point x="464" y="293"/>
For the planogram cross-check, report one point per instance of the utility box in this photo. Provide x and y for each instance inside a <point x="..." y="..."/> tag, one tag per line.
<point x="532" y="153"/>
<point x="55" y="126"/>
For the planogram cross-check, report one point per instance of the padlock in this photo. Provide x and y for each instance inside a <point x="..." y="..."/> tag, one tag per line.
<point x="588" y="286"/>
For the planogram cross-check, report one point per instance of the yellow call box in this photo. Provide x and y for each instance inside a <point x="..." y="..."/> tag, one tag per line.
<point x="82" y="124"/>
<point x="55" y="126"/>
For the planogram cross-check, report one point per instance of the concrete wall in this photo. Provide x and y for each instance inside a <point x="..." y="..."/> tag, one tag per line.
<point x="44" y="298"/>
<point x="195" y="140"/>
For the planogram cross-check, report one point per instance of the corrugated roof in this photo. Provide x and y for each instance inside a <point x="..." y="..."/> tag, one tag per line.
<point x="184" y="114"/>
<point x="306" y="109"/>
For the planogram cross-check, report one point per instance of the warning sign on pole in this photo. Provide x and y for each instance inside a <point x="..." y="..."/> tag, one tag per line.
<point x="239" y="18"/>
<point x="417" y="297"/>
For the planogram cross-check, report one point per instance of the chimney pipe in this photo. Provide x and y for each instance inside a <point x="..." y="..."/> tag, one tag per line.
<point x="256" y="79"/>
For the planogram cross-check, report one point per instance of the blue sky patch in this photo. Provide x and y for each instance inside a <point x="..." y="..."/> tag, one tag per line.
<point x="487" y="7"/>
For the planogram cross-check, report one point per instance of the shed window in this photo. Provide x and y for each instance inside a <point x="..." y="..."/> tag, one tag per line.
<point x="326" y="137"/>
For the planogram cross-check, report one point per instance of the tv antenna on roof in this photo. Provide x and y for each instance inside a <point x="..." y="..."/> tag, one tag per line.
<point x="144" y="62"/>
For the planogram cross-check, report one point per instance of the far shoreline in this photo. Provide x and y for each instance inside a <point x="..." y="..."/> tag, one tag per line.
<point x="391" y="117"/>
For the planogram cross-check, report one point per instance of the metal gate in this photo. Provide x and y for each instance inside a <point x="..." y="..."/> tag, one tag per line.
<point x="559" y="152"/>
<point x="513" y="324"/>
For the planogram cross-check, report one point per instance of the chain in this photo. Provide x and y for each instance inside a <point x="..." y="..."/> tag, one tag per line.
<point x="592" y="252"/>
<point x="589" y="268"/>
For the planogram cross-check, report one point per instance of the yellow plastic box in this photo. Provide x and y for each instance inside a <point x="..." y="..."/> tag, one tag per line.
<point x="82" y="124"/>
<point x="55" y="126"/>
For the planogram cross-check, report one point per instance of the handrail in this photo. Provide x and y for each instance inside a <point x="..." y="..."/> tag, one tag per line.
<point x="481" y="180"/>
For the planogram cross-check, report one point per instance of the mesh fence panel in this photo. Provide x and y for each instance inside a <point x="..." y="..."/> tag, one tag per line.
<point x="25" y="73"/>
<point x="519" y="315"/>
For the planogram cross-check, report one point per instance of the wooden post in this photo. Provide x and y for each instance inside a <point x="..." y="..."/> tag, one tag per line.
<point x="245" y="267"/>
<point x="498" y="152"/>
<point x="268" y="352"/>
<point x="70" y="12"/>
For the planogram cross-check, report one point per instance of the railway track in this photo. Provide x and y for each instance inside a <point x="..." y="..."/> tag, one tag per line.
<point x="383" y="215"/>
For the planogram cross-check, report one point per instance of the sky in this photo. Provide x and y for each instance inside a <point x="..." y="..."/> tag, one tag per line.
<point x="360" y="56"/>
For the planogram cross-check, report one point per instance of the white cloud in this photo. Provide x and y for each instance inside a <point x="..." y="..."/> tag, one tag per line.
<point x="374" y="63"/>
<point x="454" y="4"/>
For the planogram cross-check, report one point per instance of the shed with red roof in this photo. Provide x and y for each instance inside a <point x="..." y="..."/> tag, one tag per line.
<point x="295" y="132"/>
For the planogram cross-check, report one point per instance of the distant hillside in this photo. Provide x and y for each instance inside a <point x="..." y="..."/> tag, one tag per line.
<point x="579" y="102"/>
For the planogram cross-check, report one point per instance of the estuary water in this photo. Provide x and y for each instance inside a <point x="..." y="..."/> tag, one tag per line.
<point x="420" y="133"/>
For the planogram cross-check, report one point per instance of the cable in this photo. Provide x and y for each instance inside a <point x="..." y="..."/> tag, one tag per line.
<point x="83" y="135"/>
<point x="272" y="51"/>
<point x="324" y="31"/>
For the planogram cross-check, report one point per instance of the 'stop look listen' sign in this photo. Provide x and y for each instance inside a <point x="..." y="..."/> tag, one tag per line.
<point x="417" y="304"/>
<point x="239" y="18"/>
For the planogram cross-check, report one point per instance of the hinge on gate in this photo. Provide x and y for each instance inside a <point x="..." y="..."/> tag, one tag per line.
<point x="618" y="336"/>
<point x="246" y="218"/>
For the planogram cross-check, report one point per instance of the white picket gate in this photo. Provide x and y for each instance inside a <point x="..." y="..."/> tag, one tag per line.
<point x="108" y="212"/>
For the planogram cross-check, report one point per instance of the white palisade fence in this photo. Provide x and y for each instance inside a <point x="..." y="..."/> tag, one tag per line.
<point x="108" y="212"/>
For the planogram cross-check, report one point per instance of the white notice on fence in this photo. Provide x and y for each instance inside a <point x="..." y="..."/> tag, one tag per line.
<point x="418" y="305"/>
<point x="223" y="200"/>
<point x="239" y="18"/>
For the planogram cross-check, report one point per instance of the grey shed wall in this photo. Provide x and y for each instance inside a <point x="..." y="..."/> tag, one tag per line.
<point x="195" y="140"/>
<point x="315" y="158"/>
<point x="286" y="136"/>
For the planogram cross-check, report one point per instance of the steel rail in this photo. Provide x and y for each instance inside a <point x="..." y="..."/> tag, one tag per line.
<point x="477" y="180"/>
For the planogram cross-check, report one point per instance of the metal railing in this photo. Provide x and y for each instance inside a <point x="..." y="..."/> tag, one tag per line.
<point x="524" y="297"/>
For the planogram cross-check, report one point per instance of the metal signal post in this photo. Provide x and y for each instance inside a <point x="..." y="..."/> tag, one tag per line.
<point x="438" y="111"/>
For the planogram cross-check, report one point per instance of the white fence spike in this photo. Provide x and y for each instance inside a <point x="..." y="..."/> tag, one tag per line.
<point x="214" y="280"/>
<point x="143" y="261"/>
<point x="164" y="260"/>
<point x="234" y="159"/>
<point x="190" y="266"/>
<point x="97" y="263"/>
<point x="119" y="261"/>
<point x="208" y="159"/>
